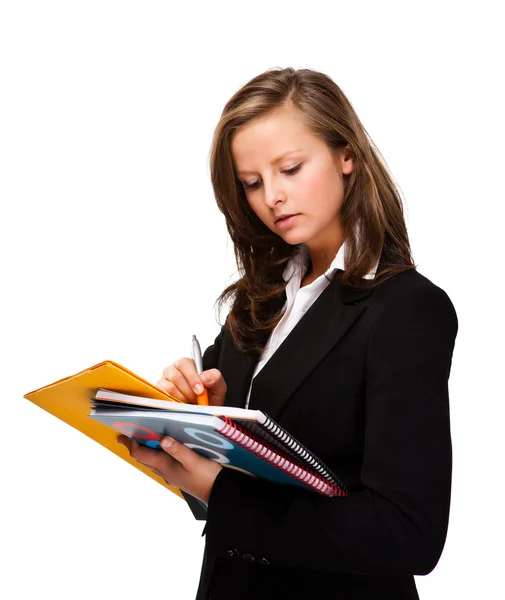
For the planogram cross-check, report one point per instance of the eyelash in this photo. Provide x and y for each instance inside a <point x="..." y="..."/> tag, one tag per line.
<point x="254" y="186"/>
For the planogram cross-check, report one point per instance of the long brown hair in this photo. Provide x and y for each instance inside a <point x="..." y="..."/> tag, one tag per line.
<point x="371" y="214"/>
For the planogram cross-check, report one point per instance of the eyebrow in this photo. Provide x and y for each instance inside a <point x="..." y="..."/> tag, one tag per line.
<point x="275" y="160"/>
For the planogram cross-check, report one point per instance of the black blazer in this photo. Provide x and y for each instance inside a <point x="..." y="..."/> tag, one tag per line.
<point x="362" y="381"/>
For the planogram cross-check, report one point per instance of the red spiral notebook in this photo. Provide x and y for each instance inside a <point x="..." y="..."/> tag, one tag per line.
<point x="219" y="439"/>
<point x="255" y="422"/>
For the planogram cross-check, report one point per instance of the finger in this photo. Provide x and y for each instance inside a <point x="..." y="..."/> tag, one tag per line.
<point x="184" y="376"/>
<point x="159" y="474"/>
<point x="187" y="367"/>
<point x="171" y="389"/>
<point x="213" y="379"/>
<point x="185" y="456"/>
<point x="124" y="440"/>
<point x="175" y="382"/>
<point x="153" y="459"/>
<point x="160" y="463"/>
<point x="216" y="385"/>
<point x="137" y="451"/>
<point x="164" y="470"/>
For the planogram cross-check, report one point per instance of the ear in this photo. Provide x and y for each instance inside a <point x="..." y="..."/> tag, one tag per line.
<point x="346" y="160"/>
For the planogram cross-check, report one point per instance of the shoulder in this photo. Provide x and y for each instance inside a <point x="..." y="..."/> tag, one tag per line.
<point x="409" y="286"/>
<point x="411" y="295"/>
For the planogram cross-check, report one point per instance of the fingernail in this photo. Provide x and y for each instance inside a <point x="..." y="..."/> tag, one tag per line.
<point x="166" y="442"/>
<point x="205" y="378"/>
<point x="199" y="388"/>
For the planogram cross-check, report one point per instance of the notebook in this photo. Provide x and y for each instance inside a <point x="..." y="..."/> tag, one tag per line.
<point x="219" y="439"/>
<point x="255" y="422"/>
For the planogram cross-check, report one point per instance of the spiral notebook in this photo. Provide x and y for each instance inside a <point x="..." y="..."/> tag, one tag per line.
<point x="219" y="439"/>
<point x="255" y="422"/>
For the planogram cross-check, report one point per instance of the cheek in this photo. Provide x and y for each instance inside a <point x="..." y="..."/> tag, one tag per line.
<point x="255" y="206"/>
<point x="256" y="203"/>
<point x="259" y="208"/>
<point x="323" y="191"/>
<point x="310" y="190"/>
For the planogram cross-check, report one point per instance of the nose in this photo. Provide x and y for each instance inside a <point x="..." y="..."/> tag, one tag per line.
<point x="274" y="192"/>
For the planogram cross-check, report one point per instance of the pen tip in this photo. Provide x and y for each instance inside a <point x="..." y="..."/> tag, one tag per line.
<point x="194" y="337"/>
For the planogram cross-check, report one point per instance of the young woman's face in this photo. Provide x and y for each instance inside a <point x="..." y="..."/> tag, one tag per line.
<point x="306" y="181"/>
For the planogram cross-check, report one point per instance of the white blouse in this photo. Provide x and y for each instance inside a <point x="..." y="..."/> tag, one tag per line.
<point x="299" y="300"/>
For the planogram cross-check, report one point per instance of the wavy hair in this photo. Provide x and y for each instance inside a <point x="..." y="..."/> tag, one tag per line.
<point x="372" y="217"/>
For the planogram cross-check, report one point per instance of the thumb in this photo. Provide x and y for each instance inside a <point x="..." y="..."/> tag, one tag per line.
<point x="176" y="450"/>
<point x="213" y="380"/>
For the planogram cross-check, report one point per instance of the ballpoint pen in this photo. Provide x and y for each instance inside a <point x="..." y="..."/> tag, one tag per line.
<point x="196" y="355"/>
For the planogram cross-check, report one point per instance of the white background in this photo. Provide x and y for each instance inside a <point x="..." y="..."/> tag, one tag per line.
<point x="113" y="248"/>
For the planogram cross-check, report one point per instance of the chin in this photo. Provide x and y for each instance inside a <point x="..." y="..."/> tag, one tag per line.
<point x="293" y="238"/>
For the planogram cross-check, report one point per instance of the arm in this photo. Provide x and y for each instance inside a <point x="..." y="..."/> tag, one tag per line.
<point x="398" y="523"/>
<point x="211" y="355"/>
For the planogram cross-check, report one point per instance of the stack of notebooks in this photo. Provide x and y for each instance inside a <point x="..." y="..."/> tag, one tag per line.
<point x="108" y="399"/>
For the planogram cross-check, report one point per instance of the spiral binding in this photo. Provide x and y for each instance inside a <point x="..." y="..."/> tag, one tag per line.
<point x="278" y="459"/>
<point x="296" y="449"/>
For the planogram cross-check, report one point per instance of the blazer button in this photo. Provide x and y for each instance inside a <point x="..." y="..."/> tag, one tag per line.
<point x="248" y="557"/>
<point x="233" y="552"/>
<point x="264" y="561"/>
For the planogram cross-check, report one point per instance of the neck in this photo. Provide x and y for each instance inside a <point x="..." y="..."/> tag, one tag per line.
<point x="321" y="259"/>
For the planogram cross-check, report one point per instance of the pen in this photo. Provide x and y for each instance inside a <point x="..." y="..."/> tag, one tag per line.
<point x="196" y="355"/>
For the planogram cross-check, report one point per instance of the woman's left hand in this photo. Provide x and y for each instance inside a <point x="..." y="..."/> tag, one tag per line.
<point x="178" y="465"/>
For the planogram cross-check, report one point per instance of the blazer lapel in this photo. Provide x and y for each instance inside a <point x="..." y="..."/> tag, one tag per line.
<point x="237" y="369"/>
<point x="321" y="328"/>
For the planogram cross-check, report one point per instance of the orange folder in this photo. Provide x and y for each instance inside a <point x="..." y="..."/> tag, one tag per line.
<point x="69" y="400"/>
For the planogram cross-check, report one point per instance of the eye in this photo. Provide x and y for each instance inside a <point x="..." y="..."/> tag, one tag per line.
<point x="293" y="170"/>
<point x="254" y="186"/>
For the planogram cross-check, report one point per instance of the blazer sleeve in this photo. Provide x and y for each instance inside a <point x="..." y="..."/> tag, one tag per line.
<point x="398" y="523"/>
<point x="211" y="355"/>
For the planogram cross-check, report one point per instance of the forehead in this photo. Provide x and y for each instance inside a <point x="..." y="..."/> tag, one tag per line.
<point x="268" y="138"/>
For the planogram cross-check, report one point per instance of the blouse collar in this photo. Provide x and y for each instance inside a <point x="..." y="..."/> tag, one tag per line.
<point x="300" y="263"/>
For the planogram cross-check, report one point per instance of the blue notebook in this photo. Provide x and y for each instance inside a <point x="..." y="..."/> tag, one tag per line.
<point x="220" y="439"/>
<point x="255" y="422"/>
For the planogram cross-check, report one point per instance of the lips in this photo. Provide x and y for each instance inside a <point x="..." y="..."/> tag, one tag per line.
<point x="284" y="217"/>
<point x="287" y="222"/>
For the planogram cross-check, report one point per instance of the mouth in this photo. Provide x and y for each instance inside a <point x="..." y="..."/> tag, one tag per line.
<point x="285" y="217"/>
<point x="287" y="221"/>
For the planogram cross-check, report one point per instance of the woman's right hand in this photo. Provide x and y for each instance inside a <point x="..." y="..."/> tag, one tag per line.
<point x="180" y="378"/>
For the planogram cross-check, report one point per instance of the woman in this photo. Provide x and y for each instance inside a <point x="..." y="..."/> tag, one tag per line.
<point x="335" y="335"/>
